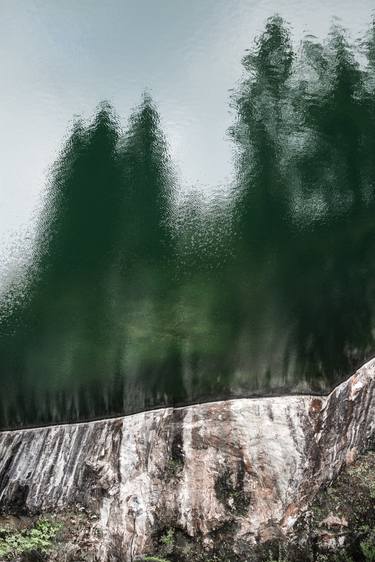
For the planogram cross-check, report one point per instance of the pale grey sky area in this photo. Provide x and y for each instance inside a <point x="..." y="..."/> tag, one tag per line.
<point x="59" y="58"/>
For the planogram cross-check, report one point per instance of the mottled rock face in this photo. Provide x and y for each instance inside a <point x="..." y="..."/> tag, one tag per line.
<point x="248" y="465"/>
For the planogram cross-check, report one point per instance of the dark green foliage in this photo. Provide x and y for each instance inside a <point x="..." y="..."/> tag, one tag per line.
<point x="262" y="205"/>
<point x="335" y="244"/>
<point x="305" y="204"/>
<point x="104" y="248"/>
<point x="148" y="184"/>
<point x="30" y="544"/>
<point x="260" y="132"/>
<point x="65" y="325"/>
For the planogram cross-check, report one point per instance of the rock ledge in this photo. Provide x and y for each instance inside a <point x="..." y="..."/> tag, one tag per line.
<point x="248" y="465"/>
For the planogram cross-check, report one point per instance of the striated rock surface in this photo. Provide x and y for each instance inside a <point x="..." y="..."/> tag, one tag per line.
<point x="244" y="468"/>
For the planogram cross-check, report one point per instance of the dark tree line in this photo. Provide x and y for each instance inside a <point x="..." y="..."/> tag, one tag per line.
<point x="138" y="298"/>
<point x="102" y="235"/>
<point x="305" y="202"/>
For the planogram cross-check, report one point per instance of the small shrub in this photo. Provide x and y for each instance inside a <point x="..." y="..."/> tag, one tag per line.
<point x="368" y="550"/>
<point x="154" y="559"/>
<point x="168" y="538"/>
<point x="38" y="539"/>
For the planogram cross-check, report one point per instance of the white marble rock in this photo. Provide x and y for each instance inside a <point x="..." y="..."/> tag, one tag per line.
<point x="257" y="462"/>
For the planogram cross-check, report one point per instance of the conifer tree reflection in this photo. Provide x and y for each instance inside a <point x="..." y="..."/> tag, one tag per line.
<point x="138" y="297"/>
<point x="65" y="326"/>
<point x="151" y="358"/>
<point x="332" y="254"/>
<point x="262" y="210"/>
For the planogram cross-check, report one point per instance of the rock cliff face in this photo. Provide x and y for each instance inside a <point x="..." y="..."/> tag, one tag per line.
<point x="244" y="467"/>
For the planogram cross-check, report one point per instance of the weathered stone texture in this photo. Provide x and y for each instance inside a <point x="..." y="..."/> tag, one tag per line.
<point x="253" y="464"/>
